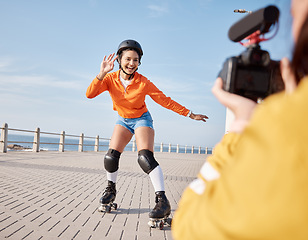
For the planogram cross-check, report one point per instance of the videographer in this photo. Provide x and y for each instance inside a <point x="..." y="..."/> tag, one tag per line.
<point x="254" y="186"/>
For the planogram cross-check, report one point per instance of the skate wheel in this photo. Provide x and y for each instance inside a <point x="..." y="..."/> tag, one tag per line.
<point x="108" y="209"/>
<point x="161" y="225"/>
<point x="115" y="206"/>
<point x="100" y="209"/>
<point x="169" y="221"/>
<point x="151" y="224"/>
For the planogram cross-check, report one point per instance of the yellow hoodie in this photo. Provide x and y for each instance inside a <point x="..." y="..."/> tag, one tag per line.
<point x="255" y="185"/>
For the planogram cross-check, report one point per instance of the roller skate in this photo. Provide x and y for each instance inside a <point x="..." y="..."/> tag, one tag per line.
<point x="107" y="199"/>
<point x="159" y="215"/>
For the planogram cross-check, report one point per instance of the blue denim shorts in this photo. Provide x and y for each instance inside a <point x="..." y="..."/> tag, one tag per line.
<point x="132" y="123"/>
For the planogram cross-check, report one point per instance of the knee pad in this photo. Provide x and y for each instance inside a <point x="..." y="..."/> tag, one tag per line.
<point x="146" y="160"/>
<point x="111" y="160"/>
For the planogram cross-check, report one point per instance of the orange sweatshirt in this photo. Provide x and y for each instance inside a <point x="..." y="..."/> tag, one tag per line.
<point x="130" y="103"/>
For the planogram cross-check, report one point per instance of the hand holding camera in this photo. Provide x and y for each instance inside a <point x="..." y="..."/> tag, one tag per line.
<point x="288" y="76"/>
<point x="242" y="107"/>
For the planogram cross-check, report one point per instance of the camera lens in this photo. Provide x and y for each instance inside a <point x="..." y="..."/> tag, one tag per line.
<point x="256" y="58"/>
<point x="261" y="58"/>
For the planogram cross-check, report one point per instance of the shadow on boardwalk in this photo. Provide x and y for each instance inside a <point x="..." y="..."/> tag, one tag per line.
<point x="51" y="195"/>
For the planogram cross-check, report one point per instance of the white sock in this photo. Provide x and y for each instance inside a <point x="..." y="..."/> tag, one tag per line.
<point x="112" y="176"/>
<point x="157" y="178"/>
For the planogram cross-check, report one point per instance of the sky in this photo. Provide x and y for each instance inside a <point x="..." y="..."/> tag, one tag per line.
<point x="51" y="50"/>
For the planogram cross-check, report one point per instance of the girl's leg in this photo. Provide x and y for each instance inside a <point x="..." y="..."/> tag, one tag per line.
<point x="120" y="138"/>
<point x="145" y="140"/>
<point x="145" y="144"/>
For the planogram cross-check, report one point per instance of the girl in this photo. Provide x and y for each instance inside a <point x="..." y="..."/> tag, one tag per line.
<point x="128" y="90"/>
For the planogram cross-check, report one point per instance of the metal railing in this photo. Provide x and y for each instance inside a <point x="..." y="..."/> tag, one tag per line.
<point x="85" y="142"/>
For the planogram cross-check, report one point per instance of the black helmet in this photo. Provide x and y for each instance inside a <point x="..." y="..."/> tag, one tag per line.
<point x="130" y="44"/>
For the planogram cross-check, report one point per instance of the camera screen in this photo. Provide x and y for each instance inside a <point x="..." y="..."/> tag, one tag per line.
<point x="252" y="80"/>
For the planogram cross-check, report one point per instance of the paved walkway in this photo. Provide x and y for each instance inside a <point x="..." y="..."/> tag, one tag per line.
<point x="52" y="195"/>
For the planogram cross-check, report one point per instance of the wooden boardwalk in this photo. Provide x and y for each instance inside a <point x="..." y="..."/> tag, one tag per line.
<point x="52" y="195"/>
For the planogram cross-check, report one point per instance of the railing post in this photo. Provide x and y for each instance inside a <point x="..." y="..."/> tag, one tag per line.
<point x="185" y="149"/>
<point x="161" y="147"/>
<point x="96" y="147"/>
<point x="62" y="141"/>
<point x="177" y="148"/>
<point x="169" y="150"/>
<point x="134" y="146"/>
<point x="192" y="149"/>
<point x="36" y="141"/>
<point x="80" y="147"/>
<point x="4" y="136"/>
<point x="206" y="150"/>
<point x="199" y="151"/>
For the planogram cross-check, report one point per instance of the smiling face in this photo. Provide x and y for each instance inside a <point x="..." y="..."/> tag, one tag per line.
<point x="129" y="61"/>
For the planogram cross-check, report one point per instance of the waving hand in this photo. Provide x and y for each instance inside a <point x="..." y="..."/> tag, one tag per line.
<point x="106" y="66"/>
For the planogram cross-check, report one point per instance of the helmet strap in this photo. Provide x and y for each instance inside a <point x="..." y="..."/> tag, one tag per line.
<point x="130" y="75"/>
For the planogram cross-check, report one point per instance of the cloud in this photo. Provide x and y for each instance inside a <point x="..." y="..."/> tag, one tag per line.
<point x="9" y="64"/>
<point x="170" y="84"/>
<point x="38" y="81"/>
<point x="5" y="64"/>
<point x="23" y="75"/>
<point x="204" y="3"/>
<point x="157" y="11"/>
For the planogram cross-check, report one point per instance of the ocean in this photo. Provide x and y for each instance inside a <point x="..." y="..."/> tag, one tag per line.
<point x="52" y="143"/>
<point x="71" y="144"/>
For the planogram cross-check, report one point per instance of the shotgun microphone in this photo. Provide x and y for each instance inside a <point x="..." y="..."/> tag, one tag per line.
<point x="261" y="20"/>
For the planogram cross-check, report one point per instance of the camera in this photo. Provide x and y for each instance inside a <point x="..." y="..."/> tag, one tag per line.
<point x="253" y="74"/>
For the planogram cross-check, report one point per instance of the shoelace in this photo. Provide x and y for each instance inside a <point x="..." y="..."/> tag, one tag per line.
<point x="108" y="189"/>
